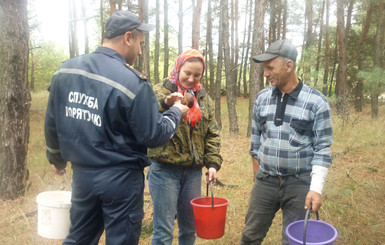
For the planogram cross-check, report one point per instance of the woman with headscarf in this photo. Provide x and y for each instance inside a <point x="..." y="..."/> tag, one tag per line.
<point x="175" y="174"/>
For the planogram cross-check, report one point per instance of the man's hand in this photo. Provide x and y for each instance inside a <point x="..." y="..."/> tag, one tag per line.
<point x="211" y="175"/>
<point x="172" y="98"/>
<point x="182" y="108"/>
<point x="315" y="199"/>
<point x="57" y="171"/>
<point x="255" y="167"/>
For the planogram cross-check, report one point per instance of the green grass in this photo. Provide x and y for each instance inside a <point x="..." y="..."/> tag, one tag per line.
<point x="354" y="194"/>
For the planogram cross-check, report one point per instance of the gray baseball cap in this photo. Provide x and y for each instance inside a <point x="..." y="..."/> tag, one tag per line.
<point x="122" y="21"/>
<point x="283" y="48"/>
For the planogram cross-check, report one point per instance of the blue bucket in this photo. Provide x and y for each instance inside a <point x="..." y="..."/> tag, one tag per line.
<point x="311" y="232"/>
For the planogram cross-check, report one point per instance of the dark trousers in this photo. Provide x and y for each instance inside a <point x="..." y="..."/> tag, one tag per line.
<point x="269" y="194"/>
<point x="109" y="199"/>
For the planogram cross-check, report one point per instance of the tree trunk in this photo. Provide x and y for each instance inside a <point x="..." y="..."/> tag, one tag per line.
<point x="196" y="24"/>
<point x="272" y="24"/>
<point x="101" y="13"/>
<point x="284" y="20"/>
<point x="319" y="43"/>
<point x="377" y="54"/>
<point x="256" y="70"/>
<point x="246" y="62"/>
<point x="235" y="48"/>
<point x="379" y="31"/>
<point x="232" y="32"/>
<point x="72" y="29"/>
<point x="32" y="62"/>
<point x="236" y="58"/>
<point x="230" y="84"/>
<point x="243" y="64"/>
<point x="358" y="88"/>
<point x="146" y="48"/>
<point x="157" y="40"/>
<point x="348" y="21"/>
<point x="309" y="23"/>
<point x="342" y="59"/>
<point x="218" y="82"/>
<point x="85" y="19"/>
<point x="165" y="40"/>
<point x="112" y="6"/>
<point x="180" y="33"/>
<point x="327" y="52"/>
<point x="382" y="44"/>
<point x="279" y="19"/>
<point x="210" y="51"/>
<point x="14" y="98"/>
<point x="144" y="58"/>
<point x="334" y="68"/>
<point x="308" y="41"/>
<point x="374" y="105"/>
<point x="140" y="59"/>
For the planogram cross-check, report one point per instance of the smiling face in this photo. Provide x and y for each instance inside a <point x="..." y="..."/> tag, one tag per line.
<point x="276" y="71"/>
<point x="191" y="73"/>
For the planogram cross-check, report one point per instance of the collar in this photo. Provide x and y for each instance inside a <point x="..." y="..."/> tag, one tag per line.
<point x="294" y="94"/>
<point x="116" y="55"/>
<point x="112" y="53"/>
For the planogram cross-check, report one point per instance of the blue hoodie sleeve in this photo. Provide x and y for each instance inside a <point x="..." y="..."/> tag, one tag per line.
<point x="52" y="142"/>
<point x="150" y="127"/>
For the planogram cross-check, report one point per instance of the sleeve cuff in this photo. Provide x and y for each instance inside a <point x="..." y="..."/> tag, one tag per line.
<point x="213" y="165"/>
<point x="318" y="176"/>
<point x="164" y="105"/>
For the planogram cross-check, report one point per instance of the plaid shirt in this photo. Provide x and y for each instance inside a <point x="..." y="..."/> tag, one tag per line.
<point x="293" y="132"/>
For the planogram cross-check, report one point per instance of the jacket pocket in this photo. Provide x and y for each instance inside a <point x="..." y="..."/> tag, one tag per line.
<point x="300" y="132"/>
<point x="261" y="175"/>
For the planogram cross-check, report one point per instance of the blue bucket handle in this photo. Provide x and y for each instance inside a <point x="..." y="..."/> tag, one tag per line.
<point x="307" y="215"/>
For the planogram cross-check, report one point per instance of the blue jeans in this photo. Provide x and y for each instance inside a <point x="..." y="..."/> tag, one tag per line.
<point x="269" y="194"/>
<point x="172" y="188"/>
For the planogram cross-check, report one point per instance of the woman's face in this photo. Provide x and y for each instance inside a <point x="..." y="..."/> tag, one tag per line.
<point x="190" y="74"/>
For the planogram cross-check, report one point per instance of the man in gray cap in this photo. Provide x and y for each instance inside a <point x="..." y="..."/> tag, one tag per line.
<point x="290" y="146"/>
<point x="102" y="115"/>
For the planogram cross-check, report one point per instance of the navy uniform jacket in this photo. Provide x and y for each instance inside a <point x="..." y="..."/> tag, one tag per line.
<point x="101" y="113"/>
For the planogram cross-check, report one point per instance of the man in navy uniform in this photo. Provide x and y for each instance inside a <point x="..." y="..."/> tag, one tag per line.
<point x="101" y="116"/>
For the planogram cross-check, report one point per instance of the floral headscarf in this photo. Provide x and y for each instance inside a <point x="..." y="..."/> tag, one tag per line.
<point x="194" y="113"/>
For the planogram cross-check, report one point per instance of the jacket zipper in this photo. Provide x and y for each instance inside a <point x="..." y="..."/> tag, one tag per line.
<point x="192" y="146"/>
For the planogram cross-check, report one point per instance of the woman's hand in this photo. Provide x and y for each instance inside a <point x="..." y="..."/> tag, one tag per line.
<point x="172" y="98"/>
<point x="211" y="175"/>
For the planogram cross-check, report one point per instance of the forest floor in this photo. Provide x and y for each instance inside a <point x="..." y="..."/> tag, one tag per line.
<point x="353" y="198"/>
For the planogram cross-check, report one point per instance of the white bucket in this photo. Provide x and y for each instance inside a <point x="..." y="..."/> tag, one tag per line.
<point x="53" y="214"/>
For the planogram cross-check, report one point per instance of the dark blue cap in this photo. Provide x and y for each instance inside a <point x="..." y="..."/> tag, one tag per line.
<point x="122" y="21"/>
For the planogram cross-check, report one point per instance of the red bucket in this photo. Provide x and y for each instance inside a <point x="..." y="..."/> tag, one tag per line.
<point x="210" y="216"/>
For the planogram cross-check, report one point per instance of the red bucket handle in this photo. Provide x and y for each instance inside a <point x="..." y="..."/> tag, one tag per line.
<point x="212" y="192"/>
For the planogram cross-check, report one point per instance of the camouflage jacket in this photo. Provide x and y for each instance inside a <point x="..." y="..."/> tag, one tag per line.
<point x="199" y="145"/>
